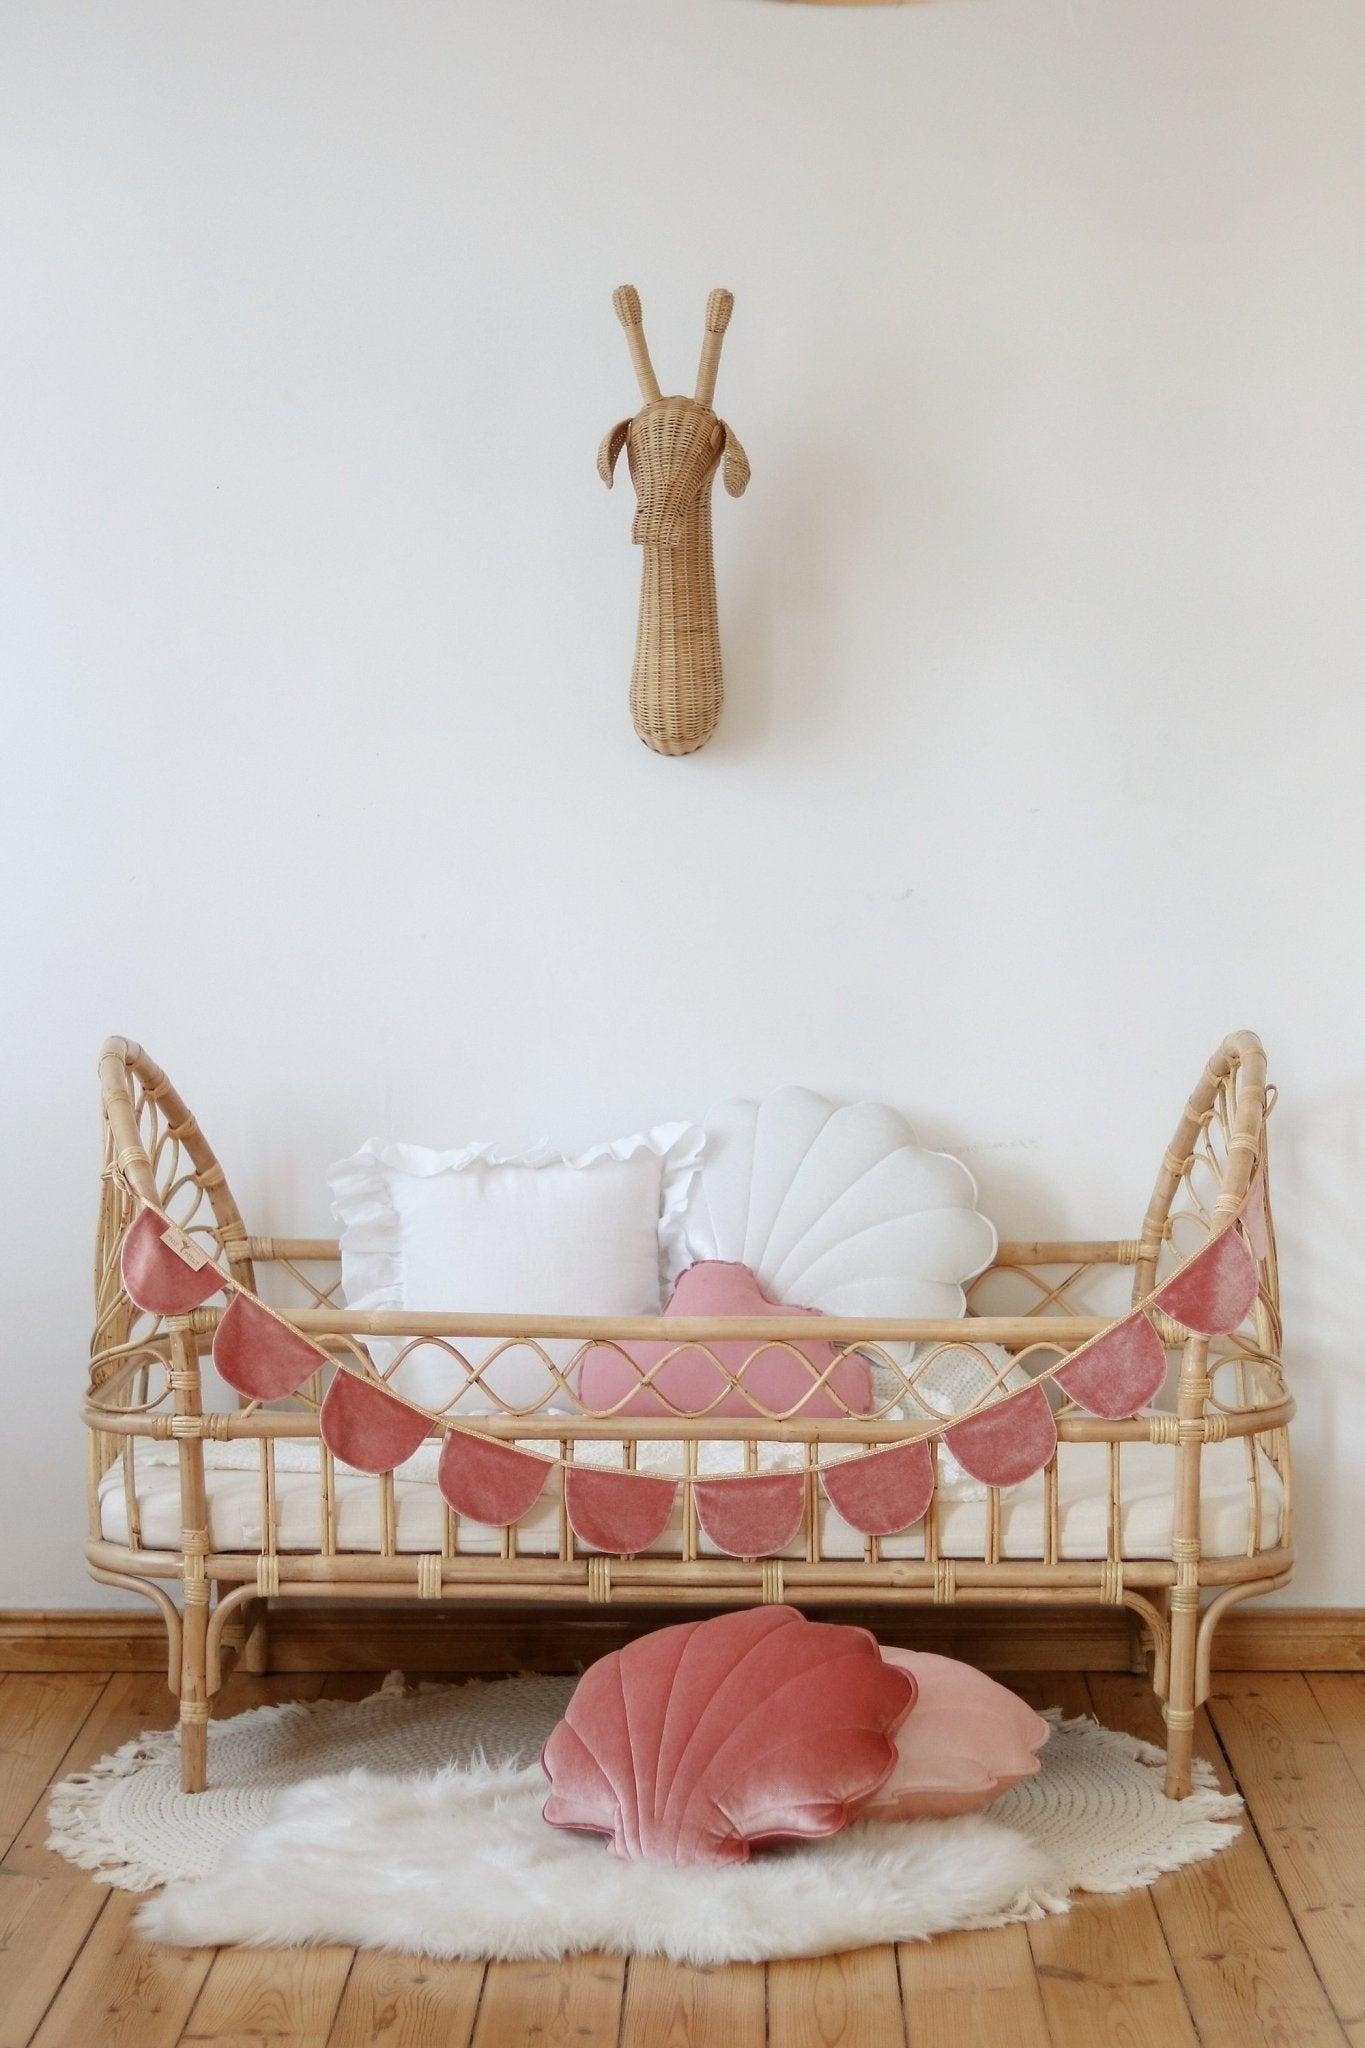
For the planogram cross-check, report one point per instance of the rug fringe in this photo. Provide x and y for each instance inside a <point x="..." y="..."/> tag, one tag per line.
<point x="75" y="1812"/>
<point x="75" y="1809"/>
<point x="1209" y="1817"/>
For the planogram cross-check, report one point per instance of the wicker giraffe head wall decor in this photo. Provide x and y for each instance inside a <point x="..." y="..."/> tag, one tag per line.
<point x="674" y="447"/>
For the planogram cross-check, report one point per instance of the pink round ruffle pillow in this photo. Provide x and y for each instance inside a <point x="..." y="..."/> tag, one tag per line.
<point x="697" y="1743"/>
<point x="968" y="1740"/>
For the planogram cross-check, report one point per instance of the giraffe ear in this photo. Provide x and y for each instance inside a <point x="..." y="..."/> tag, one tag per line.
<point x="611" y="447"/>
<point x="734" y="466"/>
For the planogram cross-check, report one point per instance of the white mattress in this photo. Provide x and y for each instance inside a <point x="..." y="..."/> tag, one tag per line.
<point x="232" y="1472"/>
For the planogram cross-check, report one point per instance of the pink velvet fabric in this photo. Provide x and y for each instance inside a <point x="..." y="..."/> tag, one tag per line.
<point x="259" y="1355"/>
<point x="697" y="1743"/>
<point x="155" y="1276"/>
<point x="753" y="1516"/>
<point x="884" y="1492"/>
<point x="367" y="1428"/>
<point x="1119" y="1372"/>
<point x="1007" y="1442"/>
<point x="1215" y="1291"/>
<point x="781" y="1380"/>
<point x="619" y="1512"/>
<point x="489" y="1481"/>
<point x="967" y="1741"/>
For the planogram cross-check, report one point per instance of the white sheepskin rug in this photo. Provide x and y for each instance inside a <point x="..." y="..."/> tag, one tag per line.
<point x="288" y="1846"/>
<point x="463" y="1865"/>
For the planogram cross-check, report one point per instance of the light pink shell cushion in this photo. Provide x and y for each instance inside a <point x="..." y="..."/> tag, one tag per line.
<point x="780" y="1381"/>
<point x="967" y="1740"/>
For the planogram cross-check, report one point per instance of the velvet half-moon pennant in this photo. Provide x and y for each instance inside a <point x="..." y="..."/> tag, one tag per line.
<point x="1118" y="1372"/>
<point x="164" y="1271"/>
<point x="1215" y="1291"/>
<point x="884" y="1492"/>
<point x="1007" y="1442"/>
<point x="489" y="1481"/>
<point x="754" y="1515"/>
<point x="259" y="1354"/>
<point x="366" y="1426"/>
<point x="619" y="1512"/>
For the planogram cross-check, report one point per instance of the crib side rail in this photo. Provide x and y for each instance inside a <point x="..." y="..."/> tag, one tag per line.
<point x="379" y="1342"/>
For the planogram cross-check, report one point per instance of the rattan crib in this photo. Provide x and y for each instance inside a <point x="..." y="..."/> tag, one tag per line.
<point x="1152" y="1512"/>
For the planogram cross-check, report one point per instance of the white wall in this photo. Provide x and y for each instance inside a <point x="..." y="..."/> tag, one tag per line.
<point x="1042" y="760"/>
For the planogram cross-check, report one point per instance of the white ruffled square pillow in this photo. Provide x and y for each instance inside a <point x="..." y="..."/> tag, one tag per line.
<point x="526" y="1234"/>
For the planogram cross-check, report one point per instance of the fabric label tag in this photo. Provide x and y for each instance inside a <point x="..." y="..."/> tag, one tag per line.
<point x="193" y="1255"/>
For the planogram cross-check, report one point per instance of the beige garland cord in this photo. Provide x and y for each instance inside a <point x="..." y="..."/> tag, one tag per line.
<point x="445" y="1424"/>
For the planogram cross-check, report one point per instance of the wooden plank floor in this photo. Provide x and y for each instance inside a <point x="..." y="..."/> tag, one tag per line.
<point x="1265" y="1943"/>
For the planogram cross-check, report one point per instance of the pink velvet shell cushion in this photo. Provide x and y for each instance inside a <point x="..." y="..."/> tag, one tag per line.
<point x="967" y="1741"/>
<point x="781" y="1381"/>
<point x="700" y="1742"/>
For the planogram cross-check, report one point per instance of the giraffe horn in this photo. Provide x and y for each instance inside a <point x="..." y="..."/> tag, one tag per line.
<point x="626" y="300"/>
<point x="719" y="307"/>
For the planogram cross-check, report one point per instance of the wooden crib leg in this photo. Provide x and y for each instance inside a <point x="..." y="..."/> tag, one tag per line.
<point x="1179" y="1707"/>
<point x="194" y="1751"/>
<point x="194" y="1689"/>
<point x="1191" y="1401"/>
<point x="194" y="1703"/>
<point x="194" y="1551"/>
<point x="1179" y="1750"/>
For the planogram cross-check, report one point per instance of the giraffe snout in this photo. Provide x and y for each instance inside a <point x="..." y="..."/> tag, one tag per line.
<point x="673" y="447"/>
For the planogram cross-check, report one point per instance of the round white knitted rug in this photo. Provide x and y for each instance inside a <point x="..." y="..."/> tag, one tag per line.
<point x="412" y="1820"/>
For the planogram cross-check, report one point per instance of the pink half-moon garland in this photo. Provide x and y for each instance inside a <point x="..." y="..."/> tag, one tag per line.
<point x="752" y="1516"/>
<point x="884" y="1492"/>
<point x="1007" y="1442"/>
<point x="489" y="1481"/>
<point x="1118" y="1372"/>
<point x="620" y="1512"/>
<point x="259" y="1354"/>
<point x="367" y="1427"/>
<point x="164" y="1271"/>
<point x="1215" y="1291"/>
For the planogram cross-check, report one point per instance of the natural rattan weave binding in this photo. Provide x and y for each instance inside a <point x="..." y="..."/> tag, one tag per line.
<point x="673" y="446"/>
<point x="146" y="1383"/>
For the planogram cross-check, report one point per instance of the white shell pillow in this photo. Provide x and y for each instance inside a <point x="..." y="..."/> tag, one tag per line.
<point x="834" y="1207"/>
<point x="527" y="1234"/>
<point x="840" y="1208"/>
